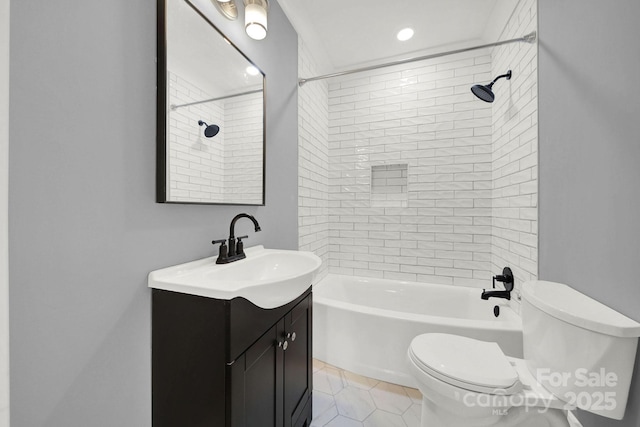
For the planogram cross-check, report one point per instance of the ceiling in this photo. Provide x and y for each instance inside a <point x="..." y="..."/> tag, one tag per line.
<point x="346" y="34"/>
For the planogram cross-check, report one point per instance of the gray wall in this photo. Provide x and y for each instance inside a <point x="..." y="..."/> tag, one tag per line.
<point x="84" y="228"/>
<point x="4" y="210"/>
<point x="590" y="157"/>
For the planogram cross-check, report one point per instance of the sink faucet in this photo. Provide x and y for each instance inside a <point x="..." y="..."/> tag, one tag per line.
<point x="507" y="278"/>
<point x="235" y="251"/>
<point x="232" y="243"/>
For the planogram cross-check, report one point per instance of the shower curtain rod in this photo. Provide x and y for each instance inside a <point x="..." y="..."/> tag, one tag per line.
<point x="175" y="107"/>
<point x="528" y="38"/>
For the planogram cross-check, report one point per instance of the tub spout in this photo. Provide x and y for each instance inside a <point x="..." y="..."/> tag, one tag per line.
<point x="495" y="294"/>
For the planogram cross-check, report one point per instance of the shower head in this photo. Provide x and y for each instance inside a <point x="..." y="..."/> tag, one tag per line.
<point x="210" y="130"/>
<point x="484" y="92"/>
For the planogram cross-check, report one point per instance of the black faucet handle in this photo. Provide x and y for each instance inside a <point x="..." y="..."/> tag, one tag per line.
<point x="494" y="281"/>
<point x="240" y="245"/>
<point x="506" y="278"/>
<point x="222" y="253"/>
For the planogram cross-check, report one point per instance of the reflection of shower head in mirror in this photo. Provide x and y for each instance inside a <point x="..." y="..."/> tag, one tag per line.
<point x="210" y="130"/>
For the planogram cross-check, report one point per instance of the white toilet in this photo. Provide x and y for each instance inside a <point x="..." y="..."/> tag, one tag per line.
<point x="577" y="353"/>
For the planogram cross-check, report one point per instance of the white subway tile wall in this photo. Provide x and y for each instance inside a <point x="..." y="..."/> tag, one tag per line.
<point x="225" y="168"/>
<point x="313" y="162"/>
<point x="424" y="117"/>
<point x="515" y="150"/>
<point x="469" y="205"/>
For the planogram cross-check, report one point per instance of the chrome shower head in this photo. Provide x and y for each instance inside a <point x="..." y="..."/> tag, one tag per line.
<point x="210" y="130"/>
<point x="485" y="92"/>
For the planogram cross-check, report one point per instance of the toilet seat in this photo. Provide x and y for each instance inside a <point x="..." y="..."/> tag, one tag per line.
<point x="471" y="364"/>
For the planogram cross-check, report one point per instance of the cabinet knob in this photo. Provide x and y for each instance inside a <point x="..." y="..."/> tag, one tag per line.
<point x="292" y="336"/>
<point x="284" y="345"/>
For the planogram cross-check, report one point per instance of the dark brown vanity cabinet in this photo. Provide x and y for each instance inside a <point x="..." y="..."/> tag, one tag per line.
<point x="229" y="363"/>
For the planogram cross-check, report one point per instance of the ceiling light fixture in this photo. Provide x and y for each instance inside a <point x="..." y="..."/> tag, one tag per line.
<point x="255" y="18"/>
<point x="227" y="8"/>
<point x="405" y="34"/>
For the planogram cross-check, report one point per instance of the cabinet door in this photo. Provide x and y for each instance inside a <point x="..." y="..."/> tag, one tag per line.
<point x="256" y="383"/>
<point x="188" y="363"/>
<point x="297" y="364"/>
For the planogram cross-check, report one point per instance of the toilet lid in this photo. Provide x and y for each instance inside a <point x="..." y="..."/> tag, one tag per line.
<point x="472" y="364"/>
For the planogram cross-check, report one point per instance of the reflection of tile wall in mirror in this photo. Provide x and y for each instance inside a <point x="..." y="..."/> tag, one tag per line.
<point x="243" y="150"/>
<point x="195" y="163"/>
<point x="202" y="66"/>
<point x="224" y="169"/>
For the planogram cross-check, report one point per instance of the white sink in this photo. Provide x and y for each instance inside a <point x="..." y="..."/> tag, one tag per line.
<point x="269" y="278"/>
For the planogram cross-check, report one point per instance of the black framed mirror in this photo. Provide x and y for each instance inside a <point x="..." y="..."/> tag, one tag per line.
<point x="211" y="112"/>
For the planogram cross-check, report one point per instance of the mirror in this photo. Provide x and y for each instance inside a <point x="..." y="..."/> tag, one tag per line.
<point x="211" y="137"/>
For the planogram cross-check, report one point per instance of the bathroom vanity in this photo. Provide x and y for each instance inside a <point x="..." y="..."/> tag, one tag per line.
<point x="231" y="344"/>
<point x="230" y="363"/>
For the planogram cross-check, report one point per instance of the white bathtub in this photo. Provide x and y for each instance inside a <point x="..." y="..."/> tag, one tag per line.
<point x="365" y="325"/>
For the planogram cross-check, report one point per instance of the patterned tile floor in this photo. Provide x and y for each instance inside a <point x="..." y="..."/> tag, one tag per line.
<point x="344" y="399"/>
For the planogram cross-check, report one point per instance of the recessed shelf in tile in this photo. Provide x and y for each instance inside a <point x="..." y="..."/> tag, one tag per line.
<point x="389" y="185"/>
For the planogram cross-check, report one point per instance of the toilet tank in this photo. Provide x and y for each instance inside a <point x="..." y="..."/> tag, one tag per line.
<point x="578" y="348"/>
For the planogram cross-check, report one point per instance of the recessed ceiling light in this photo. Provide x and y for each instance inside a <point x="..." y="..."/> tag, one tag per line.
<point x="252" y="71"/>
<point x="405" y="34"/>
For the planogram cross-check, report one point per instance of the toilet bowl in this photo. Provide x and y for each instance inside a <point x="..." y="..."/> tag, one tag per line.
<point x="467" y="382"/>
<point x="577" y="353"/>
